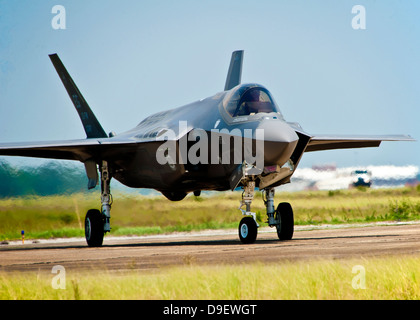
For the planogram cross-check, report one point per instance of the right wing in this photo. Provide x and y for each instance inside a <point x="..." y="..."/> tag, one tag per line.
<point x="81" y="150"/>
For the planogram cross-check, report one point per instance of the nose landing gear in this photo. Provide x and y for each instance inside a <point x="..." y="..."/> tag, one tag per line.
<point x="248" y="230"/>
<point x="281" y="218"/>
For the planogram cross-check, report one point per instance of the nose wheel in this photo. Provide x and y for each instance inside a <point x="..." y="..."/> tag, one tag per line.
<point x="248" y="230"/>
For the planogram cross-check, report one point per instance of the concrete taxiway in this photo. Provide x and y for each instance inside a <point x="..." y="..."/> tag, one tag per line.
<point x="212" y="247"/>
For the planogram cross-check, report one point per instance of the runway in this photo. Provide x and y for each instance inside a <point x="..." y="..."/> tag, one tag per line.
<point x="212" y="247"/>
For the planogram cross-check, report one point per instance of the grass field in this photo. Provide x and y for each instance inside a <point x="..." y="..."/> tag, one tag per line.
<point x="63" y="216"/>
<point x="373" y="279"/>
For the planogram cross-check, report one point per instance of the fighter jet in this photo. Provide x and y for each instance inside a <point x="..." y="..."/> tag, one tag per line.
<point x="237" y="138"/>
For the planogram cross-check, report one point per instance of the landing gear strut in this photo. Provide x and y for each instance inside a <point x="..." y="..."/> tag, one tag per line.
<point x="97" y="223"/>
<point x="281" y="218"/>
<point x="248" y="227"/>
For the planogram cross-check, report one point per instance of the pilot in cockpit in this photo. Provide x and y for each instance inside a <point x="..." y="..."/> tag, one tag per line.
<point x="254" y="101"/>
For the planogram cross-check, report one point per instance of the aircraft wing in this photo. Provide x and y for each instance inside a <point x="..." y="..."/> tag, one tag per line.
<point x="330" y="142"/>
<point x="81" y="150"/>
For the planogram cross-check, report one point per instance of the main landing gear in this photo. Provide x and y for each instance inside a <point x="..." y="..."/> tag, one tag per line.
<point x="281" y="218"/>
<point x="97" y="223"/>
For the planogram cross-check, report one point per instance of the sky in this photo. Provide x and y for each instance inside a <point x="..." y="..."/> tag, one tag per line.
<point x="131" y="59"/>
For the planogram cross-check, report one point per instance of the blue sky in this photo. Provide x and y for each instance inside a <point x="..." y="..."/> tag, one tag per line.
<point x="131" y="59"/>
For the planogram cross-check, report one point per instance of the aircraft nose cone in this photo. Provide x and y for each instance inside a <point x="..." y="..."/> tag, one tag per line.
<point x="280" y="141"/>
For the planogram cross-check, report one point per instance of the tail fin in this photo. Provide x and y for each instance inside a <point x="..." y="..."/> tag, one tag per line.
<point x="235" y="70"/>
<point x="91" y="125"/>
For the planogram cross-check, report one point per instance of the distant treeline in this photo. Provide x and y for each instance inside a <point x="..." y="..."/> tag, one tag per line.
<point x="50" y="178"/>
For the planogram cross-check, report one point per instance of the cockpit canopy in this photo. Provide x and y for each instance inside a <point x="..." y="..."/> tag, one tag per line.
<point x="249" y="99"/>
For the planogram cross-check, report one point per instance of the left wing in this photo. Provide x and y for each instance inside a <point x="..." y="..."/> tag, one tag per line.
<point x="331" y="142"/>
<point x="321" y="142"/>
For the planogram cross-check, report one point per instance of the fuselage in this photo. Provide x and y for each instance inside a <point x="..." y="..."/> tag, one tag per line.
<point x="205" y="141"/>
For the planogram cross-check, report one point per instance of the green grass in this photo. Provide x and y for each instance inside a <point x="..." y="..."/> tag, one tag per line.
<point x="63" y="216"/>
<point x="375" y="278"/>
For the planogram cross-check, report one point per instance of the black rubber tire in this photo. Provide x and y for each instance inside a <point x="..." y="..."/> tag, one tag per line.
<point x="248" y="230"/>
<point x="94" y="228"/>
<point x="285" y="213"/>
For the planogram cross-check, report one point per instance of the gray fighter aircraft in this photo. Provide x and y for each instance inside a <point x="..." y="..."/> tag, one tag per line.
<point x="236" y="138"/>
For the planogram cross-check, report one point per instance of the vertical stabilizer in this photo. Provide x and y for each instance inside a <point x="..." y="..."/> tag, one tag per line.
<point x="235" y="70"/>
<point x="91" y="125"/>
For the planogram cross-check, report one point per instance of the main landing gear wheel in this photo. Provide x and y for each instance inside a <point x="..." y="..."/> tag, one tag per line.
<point x="97" y="222"/>
<point x="284" y="214"/>
<point x="248" y="230"/>
<point x="94" y="228"/>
